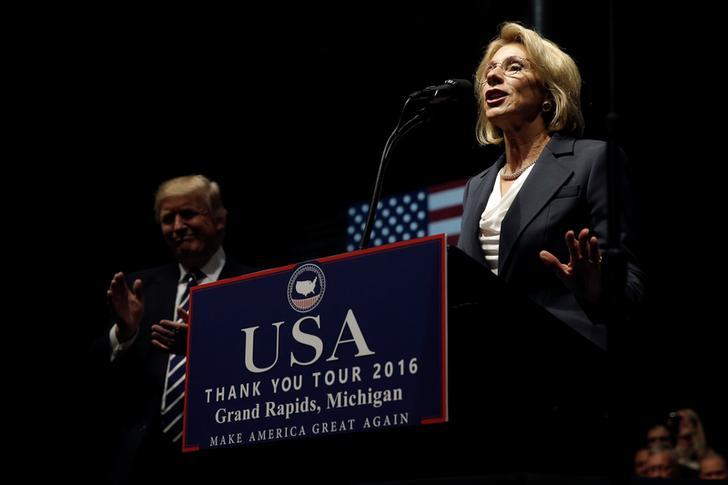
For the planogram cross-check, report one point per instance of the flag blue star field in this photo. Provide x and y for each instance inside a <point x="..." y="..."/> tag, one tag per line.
<point x="432" y="210"/>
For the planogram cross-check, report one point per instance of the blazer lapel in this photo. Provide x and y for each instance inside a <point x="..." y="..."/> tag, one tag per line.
<point x="161" y="302"/>
<point x="229" y="271"/>
<point x="486" y="187"/>
<point x="168" y="288"/>
<point x="547" y="176"/>
<point x="479" y="201"/>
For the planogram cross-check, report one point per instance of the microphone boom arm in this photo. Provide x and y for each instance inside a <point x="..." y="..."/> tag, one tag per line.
<point x="399" y="131"/>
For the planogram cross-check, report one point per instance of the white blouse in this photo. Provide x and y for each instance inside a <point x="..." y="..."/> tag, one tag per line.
<point x="493" y="215"/>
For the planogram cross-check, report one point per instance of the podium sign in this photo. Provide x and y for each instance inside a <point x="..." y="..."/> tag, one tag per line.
<point x="349" y="343"/>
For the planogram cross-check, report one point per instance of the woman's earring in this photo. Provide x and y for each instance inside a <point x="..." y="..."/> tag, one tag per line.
<point x="546" y="106"/>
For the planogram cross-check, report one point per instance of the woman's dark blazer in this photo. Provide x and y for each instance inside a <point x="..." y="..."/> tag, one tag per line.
<point x="567" y="189"/>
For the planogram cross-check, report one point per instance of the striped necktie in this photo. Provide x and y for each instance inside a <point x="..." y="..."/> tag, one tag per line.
<point x="174" y="382"/>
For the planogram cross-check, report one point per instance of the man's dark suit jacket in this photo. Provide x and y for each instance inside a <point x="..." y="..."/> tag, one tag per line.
<point x="567" y="189"/>
<point x="136" y="378"/>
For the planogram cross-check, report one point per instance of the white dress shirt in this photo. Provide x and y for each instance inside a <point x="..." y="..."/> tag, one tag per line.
<point x="493" y="215"/>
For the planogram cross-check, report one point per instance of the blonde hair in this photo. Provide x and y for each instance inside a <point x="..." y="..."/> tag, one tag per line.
<point x="192" y="185"/>
<point x="557" y="71"/>
<point x="699" y="443"/>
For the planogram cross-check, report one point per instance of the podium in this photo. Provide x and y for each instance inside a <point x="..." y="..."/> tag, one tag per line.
<point x="526" y="394"/>
<point x="545" y="385"/>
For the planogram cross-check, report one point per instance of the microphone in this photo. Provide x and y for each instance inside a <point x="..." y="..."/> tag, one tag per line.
<point x="452" y="89"/>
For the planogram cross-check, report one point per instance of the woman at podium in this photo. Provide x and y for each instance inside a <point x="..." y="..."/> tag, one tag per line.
<point x="537" y="217"/>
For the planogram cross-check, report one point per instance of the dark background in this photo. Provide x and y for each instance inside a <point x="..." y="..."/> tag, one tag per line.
<point x="288" y="108"/>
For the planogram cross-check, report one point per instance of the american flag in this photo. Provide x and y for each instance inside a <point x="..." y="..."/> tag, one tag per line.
<point x="432" y="210"/>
